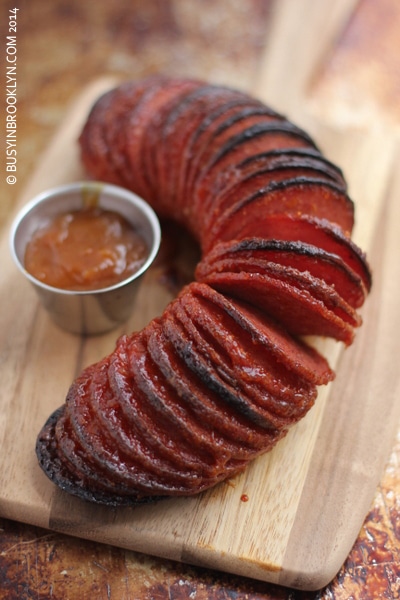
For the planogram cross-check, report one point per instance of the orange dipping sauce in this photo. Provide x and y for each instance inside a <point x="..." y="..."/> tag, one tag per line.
<point x="85" y="250"/>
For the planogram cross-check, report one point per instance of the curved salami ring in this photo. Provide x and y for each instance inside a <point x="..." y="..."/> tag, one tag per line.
<point x="223" y="373"/>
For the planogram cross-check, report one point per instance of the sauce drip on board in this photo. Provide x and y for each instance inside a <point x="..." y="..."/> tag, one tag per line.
<point x="84" y="250"/>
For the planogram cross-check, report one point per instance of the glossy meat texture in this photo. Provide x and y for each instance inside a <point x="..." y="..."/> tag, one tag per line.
<point x="224" y="372"/>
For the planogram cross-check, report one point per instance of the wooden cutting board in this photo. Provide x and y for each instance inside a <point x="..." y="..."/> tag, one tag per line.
<point x="293" y="516"/>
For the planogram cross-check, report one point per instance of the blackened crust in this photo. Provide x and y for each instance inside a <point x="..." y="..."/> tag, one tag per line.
<point x="55" y="470"/>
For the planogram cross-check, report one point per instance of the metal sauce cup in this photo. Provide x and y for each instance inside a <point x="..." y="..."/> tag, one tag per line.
<point x="95" y="311"/>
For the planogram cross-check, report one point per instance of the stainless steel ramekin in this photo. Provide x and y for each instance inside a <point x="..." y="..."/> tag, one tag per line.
<point x="95" y="311"/>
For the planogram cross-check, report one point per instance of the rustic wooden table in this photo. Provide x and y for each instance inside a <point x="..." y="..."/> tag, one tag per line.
<point x="60" y="47"/>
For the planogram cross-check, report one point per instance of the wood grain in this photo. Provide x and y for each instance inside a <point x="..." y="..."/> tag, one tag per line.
<point x="304" y="506"/>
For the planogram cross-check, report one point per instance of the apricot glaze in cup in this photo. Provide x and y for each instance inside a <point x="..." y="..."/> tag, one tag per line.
<point x="57" y="238"/>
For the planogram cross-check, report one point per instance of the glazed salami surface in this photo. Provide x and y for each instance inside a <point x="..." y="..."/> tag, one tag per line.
<point x="225" y="371"/>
